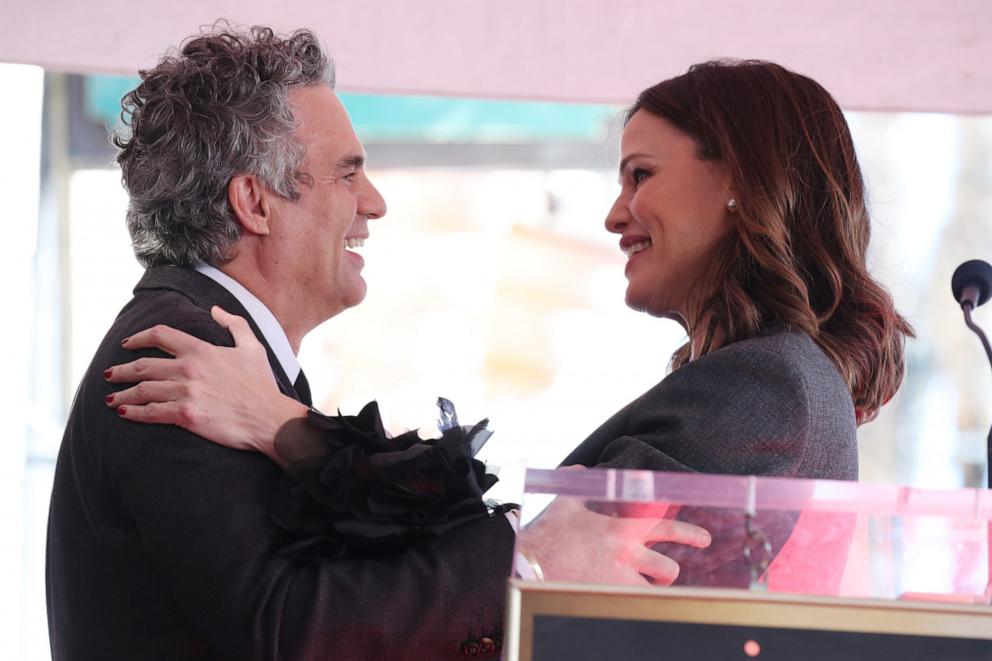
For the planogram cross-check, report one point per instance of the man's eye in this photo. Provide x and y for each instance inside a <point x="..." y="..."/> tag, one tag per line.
<point x="638" y="175"/>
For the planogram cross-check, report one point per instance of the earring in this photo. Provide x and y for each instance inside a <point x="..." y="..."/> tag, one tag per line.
<point x="732" y="205"/>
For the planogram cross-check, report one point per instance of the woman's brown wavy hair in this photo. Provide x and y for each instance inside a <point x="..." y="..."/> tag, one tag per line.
<point x="796" y="253"/>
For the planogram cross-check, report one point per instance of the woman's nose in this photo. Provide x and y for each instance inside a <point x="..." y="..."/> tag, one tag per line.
<point x="618" y="217"/>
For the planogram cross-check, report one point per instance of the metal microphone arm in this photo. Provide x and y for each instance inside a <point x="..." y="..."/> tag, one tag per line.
<point x="966" y="307"/>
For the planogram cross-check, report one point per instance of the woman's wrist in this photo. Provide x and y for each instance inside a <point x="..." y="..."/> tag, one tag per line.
<point x="297" y="440"/>
<point x="283" y="413"/>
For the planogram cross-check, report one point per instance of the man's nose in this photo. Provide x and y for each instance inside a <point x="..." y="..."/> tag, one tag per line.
<point x="371" y="202"/>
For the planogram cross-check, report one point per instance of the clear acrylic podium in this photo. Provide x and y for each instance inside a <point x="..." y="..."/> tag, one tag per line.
<point x="797" y="569"/>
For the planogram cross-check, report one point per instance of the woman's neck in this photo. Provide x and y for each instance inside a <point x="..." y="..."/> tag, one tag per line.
<point x="705" y="336"/>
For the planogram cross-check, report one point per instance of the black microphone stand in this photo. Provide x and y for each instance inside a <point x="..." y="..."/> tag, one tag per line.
<point x="971" y="285"/>
<point x="967" y="307"/>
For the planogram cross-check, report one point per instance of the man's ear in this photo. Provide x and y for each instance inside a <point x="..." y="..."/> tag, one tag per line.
<point x="249" y="200"/>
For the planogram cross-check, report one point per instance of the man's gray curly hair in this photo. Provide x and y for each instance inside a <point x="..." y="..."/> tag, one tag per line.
<point x="216" y="108"/>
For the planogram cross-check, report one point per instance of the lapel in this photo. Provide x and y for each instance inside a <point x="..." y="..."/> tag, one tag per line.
<point x="205" y="293"/>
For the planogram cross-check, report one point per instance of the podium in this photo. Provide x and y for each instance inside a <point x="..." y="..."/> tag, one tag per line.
<point x="797" y="569"/>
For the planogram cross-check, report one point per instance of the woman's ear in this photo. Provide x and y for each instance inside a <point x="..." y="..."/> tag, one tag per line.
<point x="249" y="200"/>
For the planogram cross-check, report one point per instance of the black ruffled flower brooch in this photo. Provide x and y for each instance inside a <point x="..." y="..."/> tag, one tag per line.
<point x="374" y="494"/>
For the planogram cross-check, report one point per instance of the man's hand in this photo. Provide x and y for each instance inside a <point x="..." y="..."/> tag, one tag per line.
<point x="572" y="543"/>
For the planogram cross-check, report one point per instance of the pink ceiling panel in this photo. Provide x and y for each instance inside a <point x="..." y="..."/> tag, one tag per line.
<point x="873" y="54"/>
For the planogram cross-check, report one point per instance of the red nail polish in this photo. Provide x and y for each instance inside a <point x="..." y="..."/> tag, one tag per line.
<point x="110" y="398"/>
<point x="121" y="410"/>
<point x="107" y="373"/>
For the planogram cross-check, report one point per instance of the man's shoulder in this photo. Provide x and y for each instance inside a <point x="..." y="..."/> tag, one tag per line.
<point x="151" y="307"/>
<point x="177" y="297"/>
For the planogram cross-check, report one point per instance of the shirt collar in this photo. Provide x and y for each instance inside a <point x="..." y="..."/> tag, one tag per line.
<point x="263" y="318"/>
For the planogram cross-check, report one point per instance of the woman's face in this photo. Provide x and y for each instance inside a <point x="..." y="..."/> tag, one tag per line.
<point x="672" y="210"/>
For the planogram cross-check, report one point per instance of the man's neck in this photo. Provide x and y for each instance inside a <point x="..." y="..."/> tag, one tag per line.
<point x="270" y="326"/>
<point x="281" y="300"/>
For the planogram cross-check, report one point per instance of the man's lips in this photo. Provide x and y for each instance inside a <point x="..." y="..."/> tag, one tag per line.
<point x="352" y="242"/>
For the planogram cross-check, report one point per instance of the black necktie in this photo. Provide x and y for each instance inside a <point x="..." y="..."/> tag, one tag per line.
<point x="302" y="387"/>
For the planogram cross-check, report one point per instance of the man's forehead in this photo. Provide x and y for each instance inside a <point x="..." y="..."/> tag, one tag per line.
<point x="318" y="104"/>
<point x="323" y="118"/>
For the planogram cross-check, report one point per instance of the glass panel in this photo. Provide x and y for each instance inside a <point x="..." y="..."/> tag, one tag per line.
<point x="781" y="535"/>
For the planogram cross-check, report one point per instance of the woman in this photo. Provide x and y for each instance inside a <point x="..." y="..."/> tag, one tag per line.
<point x="742" y="212"/>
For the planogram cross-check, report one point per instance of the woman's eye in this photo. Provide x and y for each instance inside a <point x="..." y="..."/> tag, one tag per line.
<point x="638" y="175"/>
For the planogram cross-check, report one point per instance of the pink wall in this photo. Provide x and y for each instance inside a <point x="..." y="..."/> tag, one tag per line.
<point x="873" y="54"/>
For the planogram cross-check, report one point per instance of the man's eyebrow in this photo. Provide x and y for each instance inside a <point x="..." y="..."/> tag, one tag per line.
<point x="352" y="162"/>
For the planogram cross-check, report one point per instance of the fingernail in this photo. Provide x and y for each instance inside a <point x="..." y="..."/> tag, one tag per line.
<point x="107" y="373"/>
<point x="121" y="410"/>
<point x="125" y="340"/>
<point x="110" y="398"/>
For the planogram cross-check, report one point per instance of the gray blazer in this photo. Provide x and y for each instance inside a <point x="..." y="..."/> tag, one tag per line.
<point x="774" y="404"/>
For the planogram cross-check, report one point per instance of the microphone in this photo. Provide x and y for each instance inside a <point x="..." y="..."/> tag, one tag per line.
<point x="972" y="286"/>
<point x="972" y="283"/>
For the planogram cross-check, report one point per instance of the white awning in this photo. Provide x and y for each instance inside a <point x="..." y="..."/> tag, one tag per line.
<point x="872" y="54"/>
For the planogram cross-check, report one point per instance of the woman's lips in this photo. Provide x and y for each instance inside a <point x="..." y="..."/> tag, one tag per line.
<point x="636" y="247"/>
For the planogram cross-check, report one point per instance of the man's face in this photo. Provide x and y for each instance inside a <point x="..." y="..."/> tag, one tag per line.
<point x="336" y="201"/>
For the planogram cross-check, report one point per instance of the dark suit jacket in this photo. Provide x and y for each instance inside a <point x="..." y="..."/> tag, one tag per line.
<point x="772" y="405"/>
<point x="161" y="546"/>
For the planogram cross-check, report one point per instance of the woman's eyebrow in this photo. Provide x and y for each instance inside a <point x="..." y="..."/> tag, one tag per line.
<point x="627" y="159"/>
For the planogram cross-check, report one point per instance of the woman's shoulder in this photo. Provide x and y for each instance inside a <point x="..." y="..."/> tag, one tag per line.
<point x="789" y="350"/>
<point x="781" y="365"/>
<point x="776" y="350"/>
<point x="779" y="340"/>
<point x="797" y="369"/>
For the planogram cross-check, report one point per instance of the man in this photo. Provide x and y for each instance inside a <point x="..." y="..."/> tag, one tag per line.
<point x="247" y="188"/>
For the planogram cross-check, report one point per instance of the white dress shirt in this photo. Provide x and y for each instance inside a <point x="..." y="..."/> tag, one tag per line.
<point x="273" y="333"/>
